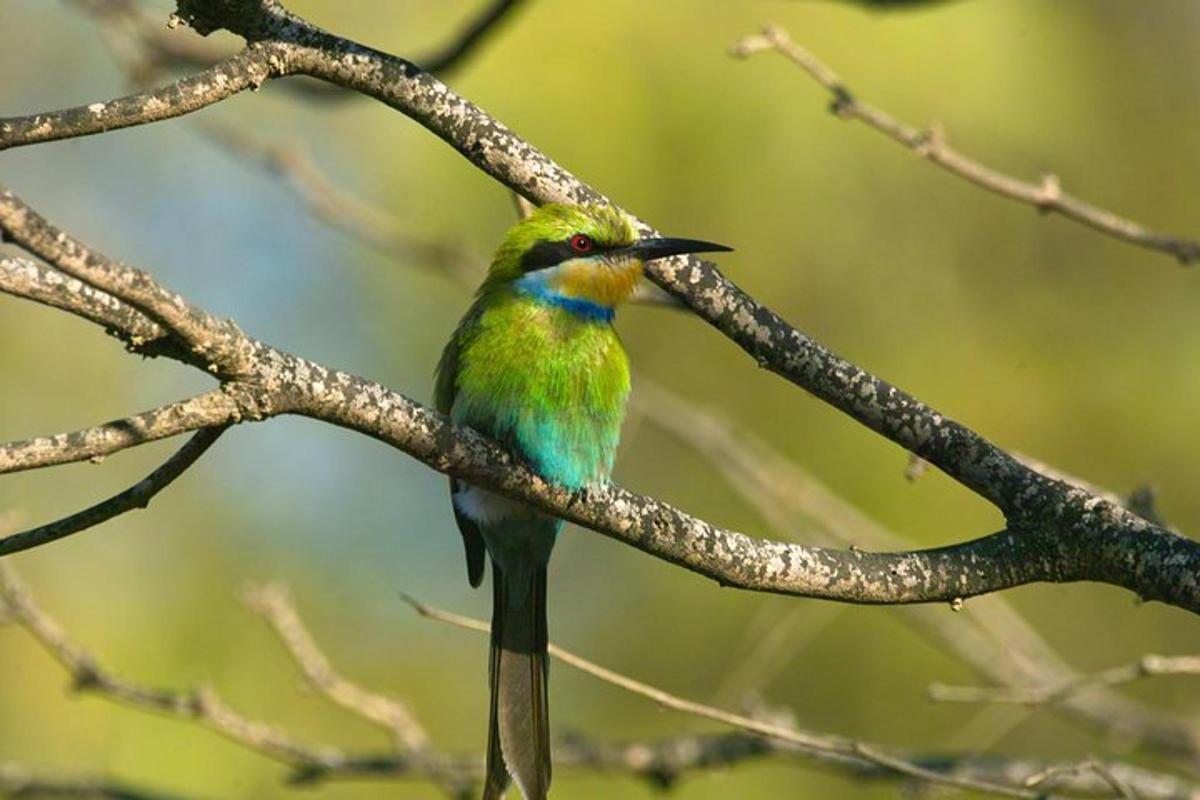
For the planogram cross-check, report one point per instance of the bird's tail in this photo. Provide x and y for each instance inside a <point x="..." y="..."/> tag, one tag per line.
<point x="519" y="733"/>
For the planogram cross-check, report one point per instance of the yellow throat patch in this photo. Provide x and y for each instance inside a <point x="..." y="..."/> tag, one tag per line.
<point x="607" y="284"/>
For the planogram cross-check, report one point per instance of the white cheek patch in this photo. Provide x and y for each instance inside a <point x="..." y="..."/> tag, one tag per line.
<point x="483" y="507"/>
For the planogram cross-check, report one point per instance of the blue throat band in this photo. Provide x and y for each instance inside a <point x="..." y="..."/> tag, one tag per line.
<point x="596" y="312"/>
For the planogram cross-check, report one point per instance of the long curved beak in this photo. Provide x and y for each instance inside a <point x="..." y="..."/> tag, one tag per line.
<point x="661" y="247"/>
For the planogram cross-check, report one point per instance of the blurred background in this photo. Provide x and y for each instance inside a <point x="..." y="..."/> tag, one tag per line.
<point x="1070" y="347"/>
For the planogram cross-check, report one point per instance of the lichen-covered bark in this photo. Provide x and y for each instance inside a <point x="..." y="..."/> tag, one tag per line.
<point x="1055" y="531"/>
<point x="246" y="70"/>
<point x="214" y="342"/>
<point x="212" y="409"/>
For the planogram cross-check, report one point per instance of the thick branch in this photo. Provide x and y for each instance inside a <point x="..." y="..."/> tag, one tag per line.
<point x="20" y="277"/>
<point x="1164" y="564"/>
<point x="1056" y="532"/>
<point x="991" y="637"/>
<point x="1046" y="196"/>
<point x="1028" y="499"/>
<point x="136" y="496"/>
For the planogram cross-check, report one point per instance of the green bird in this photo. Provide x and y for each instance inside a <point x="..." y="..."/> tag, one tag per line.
<point x="535" y="364"/>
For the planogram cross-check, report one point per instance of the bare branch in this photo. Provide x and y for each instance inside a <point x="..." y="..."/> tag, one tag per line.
<point x="1145" y="667"/>
<point x="206" y="336"/>
<point x="662" y="762"/>
<point x="283" y="383"/>
<point x="992" y="637"/>
<point x="455" y="52"/>
<point x="1109" y="774"/>
<point x="1046" y="196"/>
<point x="20" y="782"/>
<point x="200" y="705"/>
<point x="1035" y="506"/>
<point x="840" y="749"/>
<point x="214" y="409"/>
<point x="23" y="278"/>
<point x="136" y="496"/>
<point x="247" y="69"/>
<point x="1056" y="532"/>
<point x="666" y="761"/>
<point x="274" y="604"/>
<point x="344" y="211"/>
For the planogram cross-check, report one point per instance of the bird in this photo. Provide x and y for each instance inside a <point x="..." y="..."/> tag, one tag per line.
<point x="536" y="365"/>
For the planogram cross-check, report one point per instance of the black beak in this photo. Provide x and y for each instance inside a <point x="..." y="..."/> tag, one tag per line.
<point x="650" y="249"/>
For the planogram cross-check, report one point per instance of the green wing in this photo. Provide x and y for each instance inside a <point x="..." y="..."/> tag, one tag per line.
<point x="445" y="388"/>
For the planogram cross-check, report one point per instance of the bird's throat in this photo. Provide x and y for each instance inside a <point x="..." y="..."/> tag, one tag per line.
<point x="586" y="287"/>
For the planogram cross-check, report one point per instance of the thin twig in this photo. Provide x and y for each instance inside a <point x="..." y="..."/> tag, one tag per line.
<point x="1145" y="667"/>
<point x="136" y="496"/>
<point x="453" y="54"/>
<point x="993" y="638"/>
<point x="274" y="604"/>
<point x="345" y="211"/>
<point x="1046" y="196"/>
<point x="212" y="409"/>
<point x="820" y="743"/>
<point x="17" y="781"/>
<point x="201" y="705"/>
<point x="662" y="762"/>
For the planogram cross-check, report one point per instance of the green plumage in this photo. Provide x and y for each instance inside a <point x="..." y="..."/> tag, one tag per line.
<point x="535" y="364"/>
<point x="548" y="383"/>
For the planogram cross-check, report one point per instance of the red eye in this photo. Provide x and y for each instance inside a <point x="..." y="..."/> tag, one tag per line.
<point x="581" y="243"/>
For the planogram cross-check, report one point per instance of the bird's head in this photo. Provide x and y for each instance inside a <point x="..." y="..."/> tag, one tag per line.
<point x="584" y="257"/>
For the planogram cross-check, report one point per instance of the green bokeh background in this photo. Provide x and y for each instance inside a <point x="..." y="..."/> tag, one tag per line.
<point x="1051" y="340"/>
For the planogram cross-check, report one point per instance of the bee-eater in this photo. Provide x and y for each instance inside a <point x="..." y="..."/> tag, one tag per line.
<point x="535" y="364"/>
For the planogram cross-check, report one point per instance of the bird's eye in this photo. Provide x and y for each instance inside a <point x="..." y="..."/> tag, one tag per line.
<point x="581" y="243"/>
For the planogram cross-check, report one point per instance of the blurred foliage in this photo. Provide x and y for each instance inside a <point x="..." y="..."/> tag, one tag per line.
<point x="893" y="5"/>
<point x="1052" y="340"/>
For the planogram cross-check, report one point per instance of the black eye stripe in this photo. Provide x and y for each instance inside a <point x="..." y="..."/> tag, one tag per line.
<point x="548" y="254"/>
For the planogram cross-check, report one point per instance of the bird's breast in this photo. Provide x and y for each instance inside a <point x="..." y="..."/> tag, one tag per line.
<point x="550" y="385"/>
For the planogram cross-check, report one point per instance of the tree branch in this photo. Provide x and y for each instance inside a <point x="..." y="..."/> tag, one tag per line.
<point x="1146" y="667"/>
<point x="1056" y="532"/>
<point x="992" y="637"/>
<point x="452" y="55"/>
<point x="20" y="782"/>
<point x="662" y="762"/>
<point x="1045" y="196"/>
<point x="136" y="496"/>
<point x="247" y="69"/>
<point x="214" y="409"/>
<point x="26" y="279"/>
<point x="209" y="338"/>
<point x="200" y="705"/>
<point x="274" y="604"/>
<point x="992" y="776"/>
